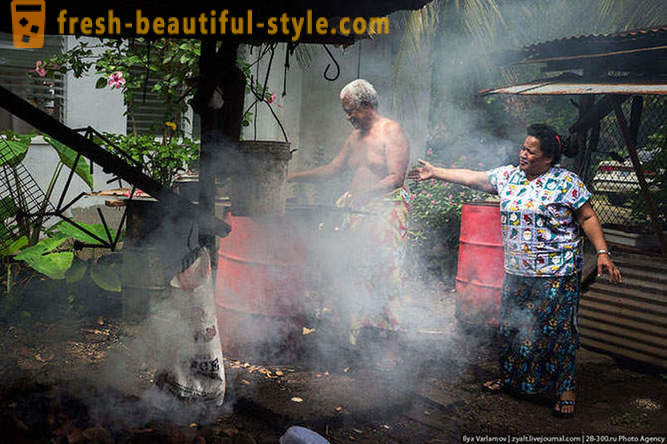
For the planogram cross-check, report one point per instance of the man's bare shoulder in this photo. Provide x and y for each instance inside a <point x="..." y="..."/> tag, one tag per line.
<point x="391" y="126"/>
<point x="354" y="136"/>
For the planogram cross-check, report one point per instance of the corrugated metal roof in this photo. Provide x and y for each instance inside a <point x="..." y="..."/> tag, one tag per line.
<point x="634" y="50"/>
<point x="563" y="88"/>
<point x="622" y="35"/>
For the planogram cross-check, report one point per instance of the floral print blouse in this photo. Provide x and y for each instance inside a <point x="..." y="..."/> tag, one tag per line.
<point x="540" y="230"/>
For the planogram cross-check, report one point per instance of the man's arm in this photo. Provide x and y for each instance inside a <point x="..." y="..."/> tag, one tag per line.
<point x="469" y="178"/>
<point x="325" y="171"/>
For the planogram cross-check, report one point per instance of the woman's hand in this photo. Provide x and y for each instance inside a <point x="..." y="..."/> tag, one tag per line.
<point x="604" y="262"/>
<point x="425" y="171"/>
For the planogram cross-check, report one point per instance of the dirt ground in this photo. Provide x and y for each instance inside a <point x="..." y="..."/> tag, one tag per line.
<point x="83" y="381"/>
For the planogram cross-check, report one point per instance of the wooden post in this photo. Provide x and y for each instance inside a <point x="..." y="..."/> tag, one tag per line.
<point x="639" y="171"/>
<point x="220" y="126"/>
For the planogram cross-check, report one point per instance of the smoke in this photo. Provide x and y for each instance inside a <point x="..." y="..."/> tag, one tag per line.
<point x="309" y="270"/>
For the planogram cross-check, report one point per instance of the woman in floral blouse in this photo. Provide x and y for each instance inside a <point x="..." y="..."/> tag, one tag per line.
<point x="543" y="209"/>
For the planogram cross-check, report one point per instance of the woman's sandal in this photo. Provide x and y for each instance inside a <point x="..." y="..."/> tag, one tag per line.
<point x="493" y="386"/>
<point x="562" y="403"/>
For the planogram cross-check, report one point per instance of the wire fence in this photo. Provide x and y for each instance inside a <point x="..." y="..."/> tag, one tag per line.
<point x="617" y="196"/>
<point x="22" y="201"/>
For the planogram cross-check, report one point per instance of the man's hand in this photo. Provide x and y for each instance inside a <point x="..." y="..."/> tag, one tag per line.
<point x="426" y="171"/>
<point x="604" y="262"/>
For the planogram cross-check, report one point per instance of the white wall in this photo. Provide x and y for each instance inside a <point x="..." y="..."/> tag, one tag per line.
<point x="310" y="112"/>
<point x="84" y="106"/>
<point x="323" y="125"/>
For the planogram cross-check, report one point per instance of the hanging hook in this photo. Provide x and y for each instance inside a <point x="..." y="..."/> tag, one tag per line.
<point x="331" y="79"/>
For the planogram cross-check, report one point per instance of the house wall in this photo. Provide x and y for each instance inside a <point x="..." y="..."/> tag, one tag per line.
<point x="84" y="106"/>
<point x="323" y="126"/>
<point x="310" y="113"/>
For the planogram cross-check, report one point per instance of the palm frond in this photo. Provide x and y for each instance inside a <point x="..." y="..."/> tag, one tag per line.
<point x="304" y="56"/>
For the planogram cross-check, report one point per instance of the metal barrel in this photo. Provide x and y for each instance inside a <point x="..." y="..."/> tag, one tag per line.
<point x="144" y="281"/>
<point x="260" y="287"/>
<point x="480" y="272"/>
<point x="154" y="245"/>
<point x="259" y="184"/>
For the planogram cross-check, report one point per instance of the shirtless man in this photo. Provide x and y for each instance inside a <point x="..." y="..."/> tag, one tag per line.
<point x="377" y="152"/>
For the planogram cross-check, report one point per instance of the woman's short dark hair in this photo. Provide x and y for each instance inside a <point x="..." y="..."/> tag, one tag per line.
<point x="550" y="142"/>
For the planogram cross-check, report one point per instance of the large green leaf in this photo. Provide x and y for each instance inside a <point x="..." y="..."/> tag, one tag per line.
<point x="97" y="229"/>
<point x="12" y="152"/>
<point x="7" y="208"/>
<point x="54" y="265"/>
<point x="15" y="245"/>
<point x="68" y="156"/>
<point x="76" y="271"/>
<point x="44" y="246"/>
<point x="105" y="277"/>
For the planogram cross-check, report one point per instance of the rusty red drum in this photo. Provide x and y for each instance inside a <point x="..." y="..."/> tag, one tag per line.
<point x="260" y="287"/>
<point x="480" y="273"/>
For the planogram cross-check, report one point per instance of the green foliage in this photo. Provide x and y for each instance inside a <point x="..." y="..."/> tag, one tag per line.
<point x="76" y="271"/>
<point x="170" y="65"/>
<point x="40" y="258"/>
<point x="13" y="152"/>
<point x="68" y="156"/>
<point x="162" y="159"/>
<point x="53" y="256"/>
<point x="14" y="247"/>
<point x="105" y="277"/>
<point x="71" y="231"/>
<point x="435" y="209"/>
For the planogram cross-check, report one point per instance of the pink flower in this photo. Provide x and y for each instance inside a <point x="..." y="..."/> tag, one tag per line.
<point x="271" y="99"/>
<point x="450" y="196"/>
<point x="116" y="80"/>
<point x="40" y="71"/>
<point x="480" y="164"/>
<point x="429" y="151"/>
<point x="432" y="202"/>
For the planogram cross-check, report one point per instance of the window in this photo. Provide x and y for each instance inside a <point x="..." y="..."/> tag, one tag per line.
<point x="45" y="93"/>
<point x="150" y="109"/>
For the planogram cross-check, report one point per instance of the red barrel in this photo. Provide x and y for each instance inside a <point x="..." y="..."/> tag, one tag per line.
<point x="260" y="287"/>
<point x="480" y="273"/>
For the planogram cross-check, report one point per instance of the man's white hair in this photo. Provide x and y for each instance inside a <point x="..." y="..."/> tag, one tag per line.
<point x="360" y="91"/>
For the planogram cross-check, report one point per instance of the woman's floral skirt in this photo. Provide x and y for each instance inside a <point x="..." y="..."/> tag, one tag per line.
<point x="538" y="333"/>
